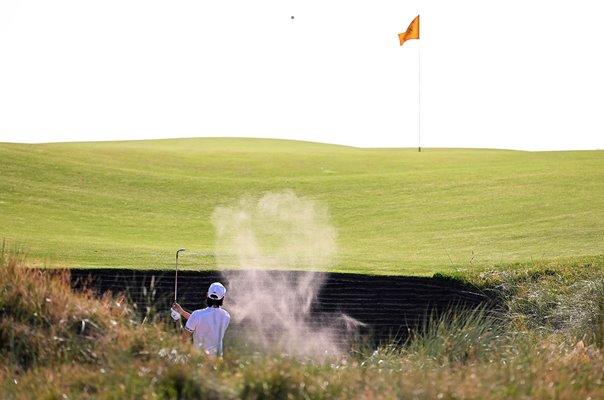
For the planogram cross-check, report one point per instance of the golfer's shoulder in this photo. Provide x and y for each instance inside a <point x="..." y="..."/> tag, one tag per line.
<point x="221" y="311"/>
<point x="209" y="311"/>
<point x="199" y="313"/>
<point x="202" y="311"/>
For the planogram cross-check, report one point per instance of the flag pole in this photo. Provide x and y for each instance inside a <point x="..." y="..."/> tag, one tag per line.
<point x="412" y="32"/>
<point x="419" y="99"/>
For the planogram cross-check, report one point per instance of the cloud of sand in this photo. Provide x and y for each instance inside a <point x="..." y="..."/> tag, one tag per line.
<point x="257" y="241"/>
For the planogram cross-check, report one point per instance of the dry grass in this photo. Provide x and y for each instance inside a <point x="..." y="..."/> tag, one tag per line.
<point x="43" y="322"/>
<point x="57" y="344"/>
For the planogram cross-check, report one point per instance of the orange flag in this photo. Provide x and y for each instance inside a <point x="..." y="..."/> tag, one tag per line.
<point x="411" y="33"/>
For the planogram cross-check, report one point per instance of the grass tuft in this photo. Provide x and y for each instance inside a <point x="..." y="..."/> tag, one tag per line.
<point x="457" y="336"/>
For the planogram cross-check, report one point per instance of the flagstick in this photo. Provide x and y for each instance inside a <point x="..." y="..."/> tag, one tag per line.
<point x="419" y="98"/>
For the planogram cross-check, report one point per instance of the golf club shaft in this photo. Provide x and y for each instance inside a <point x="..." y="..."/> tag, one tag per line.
<point x="176" y="279"/>
<point x="176" y="276"/>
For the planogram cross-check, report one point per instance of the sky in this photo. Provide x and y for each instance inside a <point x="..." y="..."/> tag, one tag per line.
<point x="513" y="74"/>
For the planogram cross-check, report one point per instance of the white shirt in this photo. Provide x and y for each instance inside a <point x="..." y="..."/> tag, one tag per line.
<point x="208" y="327"/>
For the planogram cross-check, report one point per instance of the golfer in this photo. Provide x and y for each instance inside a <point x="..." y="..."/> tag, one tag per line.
<point x="209" y="324"/>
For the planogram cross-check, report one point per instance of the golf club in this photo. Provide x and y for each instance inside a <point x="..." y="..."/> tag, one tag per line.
<point x="176" y="276"/>
<point x="175" y="315"/>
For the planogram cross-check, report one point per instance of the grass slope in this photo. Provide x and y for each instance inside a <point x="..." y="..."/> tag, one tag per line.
<point x="396" y="211"/>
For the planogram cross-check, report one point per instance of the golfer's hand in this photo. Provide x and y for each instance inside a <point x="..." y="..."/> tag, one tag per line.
<point x="177" y="308"/>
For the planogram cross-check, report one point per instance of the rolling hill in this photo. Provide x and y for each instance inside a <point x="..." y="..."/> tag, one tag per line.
<point x="396" y="211"/>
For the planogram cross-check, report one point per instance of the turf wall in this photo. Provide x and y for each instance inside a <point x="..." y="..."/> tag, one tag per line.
<point x="388" y="306"/>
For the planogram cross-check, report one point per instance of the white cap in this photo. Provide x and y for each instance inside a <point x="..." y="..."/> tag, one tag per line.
<point x="216" y="291"/>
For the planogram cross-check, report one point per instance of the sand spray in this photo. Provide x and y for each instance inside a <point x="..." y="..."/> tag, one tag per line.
<point x="258" y="242"/>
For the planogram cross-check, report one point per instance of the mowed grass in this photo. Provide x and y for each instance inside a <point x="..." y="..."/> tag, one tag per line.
<point x="396" y="211"/>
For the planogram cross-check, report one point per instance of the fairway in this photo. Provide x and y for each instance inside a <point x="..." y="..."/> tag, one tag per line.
<point x="395" y="211"/>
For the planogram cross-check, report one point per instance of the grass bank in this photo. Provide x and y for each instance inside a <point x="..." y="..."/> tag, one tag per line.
<point x="58" y="344"/>
<point x="395" y="211"/>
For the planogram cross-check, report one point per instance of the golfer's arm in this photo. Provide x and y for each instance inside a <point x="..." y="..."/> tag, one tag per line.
<point x="185" y="314"/>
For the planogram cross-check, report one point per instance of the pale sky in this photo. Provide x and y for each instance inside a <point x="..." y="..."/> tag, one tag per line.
<point x="514" y="74"/>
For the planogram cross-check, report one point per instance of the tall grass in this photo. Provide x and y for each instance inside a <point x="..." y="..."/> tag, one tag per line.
<point x="42" y="322"/>
<point x="58" y="344"/>
<point x="457" y="336"/>
<point x="554" y="298"/>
